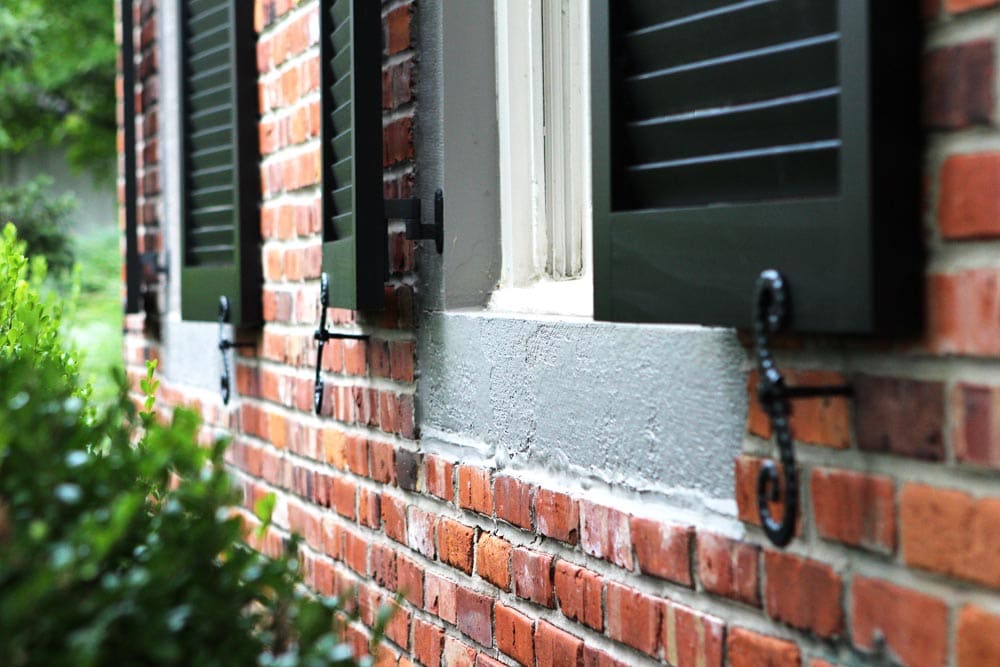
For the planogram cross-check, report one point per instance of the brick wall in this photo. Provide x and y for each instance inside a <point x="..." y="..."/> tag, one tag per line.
<point x="897" y="557"/>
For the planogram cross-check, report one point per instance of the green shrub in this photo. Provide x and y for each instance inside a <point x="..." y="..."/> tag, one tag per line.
<point x="41" y="221"/>
<point x="117" y="544"/>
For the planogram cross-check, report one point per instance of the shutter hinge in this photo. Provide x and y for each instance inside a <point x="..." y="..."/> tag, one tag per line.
<point x="408" y="210"/>
<point x="224" y="346"/>
<point x="321" y="336"/>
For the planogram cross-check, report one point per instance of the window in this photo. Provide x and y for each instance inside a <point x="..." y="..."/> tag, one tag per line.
<point x="354" y="230"/>
<point x="219" y="166"/>
<point x="543" y="114"/>
<point x="732" y="137"/>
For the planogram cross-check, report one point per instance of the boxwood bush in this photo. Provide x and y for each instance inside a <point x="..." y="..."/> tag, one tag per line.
<point x="117" y="543"/>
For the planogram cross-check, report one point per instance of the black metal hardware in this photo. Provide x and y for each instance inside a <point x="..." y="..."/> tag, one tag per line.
<point x="224" y="346"/>
<point x="409" y="210"/>
<point x="771" y="313"/>
<point x="321" y="335"/>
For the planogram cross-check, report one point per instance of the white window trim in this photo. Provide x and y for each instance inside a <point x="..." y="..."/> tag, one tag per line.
<point x="544" y="180"/>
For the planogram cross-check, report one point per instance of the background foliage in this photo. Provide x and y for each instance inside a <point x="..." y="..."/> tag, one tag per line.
<point x="57" y="78"/>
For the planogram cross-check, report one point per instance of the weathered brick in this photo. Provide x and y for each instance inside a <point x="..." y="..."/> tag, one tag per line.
<point x="394" y="518"/>
<point x="976" y="424"/>
<point x="958" y="85"/>
<point x="978" y="638"/>
<point x="440" y="597"/>
<point x="456" y="544"/>
<point x="951" y="532"/>
<point x="913" y="625"/>
<point x="557" y="516"/>
<point x="824" y="421"/>
<point x="397" y="28"/>
<point x="457" y="654"/>
<point x="407" y="465"/>
<point x="475" y="615"/>
<point x="593" y="657"/>
<point x="533" y="576"/>
<point x="855" y="508"/>
<point x="356" y="552"/>
<point x="427" y="643"/>
<point x="728" y="568"/>
<point x="663" y="549"/>
<point x="514" y="635"/>
<point x="749" y="649"/>
<point x="803" y="593"/>
<point x="692" y="638"/>
<point x="963" y="315"/>
<point x="556" y="648"/>
<point x="493" y="560"/>
<point x="634" y="618"/>
<point x="382" y="462"/>
<point x="383" y="567"/>
<point x="421" y="528"/>
<point x="513" y="499"/>
<point x="604" y="533"/>
<point x="579" y="592"/>
<point x="410" y="579"/>
<point x="369" y="508"/>
<point x="439" y="477"/>
<point x="474" y="490"/>
<point x="900" y="416"/>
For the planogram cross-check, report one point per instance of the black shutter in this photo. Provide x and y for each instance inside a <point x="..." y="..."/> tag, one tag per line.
<point x="354" y="230"/>
<point x="736" y="136"/>
<point x="133" y="270"/>
<point x="221" y="191"/>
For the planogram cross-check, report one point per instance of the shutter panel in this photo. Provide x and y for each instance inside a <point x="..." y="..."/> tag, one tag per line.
<point x="133" y="270"/>
<point x="728" y="140"/>
<point x="221" y="239"/>
<point x="355" y="242"/>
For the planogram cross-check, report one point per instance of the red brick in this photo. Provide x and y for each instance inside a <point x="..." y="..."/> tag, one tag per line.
<point x="383" y="462"/>
<point x="493" y="560"/>
<point x="383" y="567"/>
<point x="439" y="476"/>
<point x="397" y="142"/>
<point x="401" y="353"/>
<point x="729" y="568"/>
<point x="440" y="597"/>
<point x="976" y="424"/>
<point x="914" y="625"/>
<point x="749" y="649"/>
<point x="394" y="518"/>
<point x="958" y="6"/>
<point x="900" y="416"/>
<point x="344" y="493"/>
<point x="967" y="205"/>
<point x="457" y="654"/>
<point x="533" y="576"/>
<point x="455" y="541"/>
<point x="803" y="593"/>
<point x="855" y="508"/>
<point x="556" y="648"/>
<point x="357" y="455"/>
<point x="421" y="527"/>
<point x="958" y="85"/>
<point x="513" y="499"/>
<point x="474" y="492"/>
<point x="604" y="533"/>
<point x="663" y="549"/>
<point x="410" y="578"/>
<point x="483" y="660"/>
<point x="475" y="613"/>
<point x="824" y="421"/>
<point x="580" y="592"/>
<point x="427" y="643"/>
<point x="557" y="516"/>
<point x="593" y="657"/>
<point x="355" y="353"/>
<point x="634" y="619"/>
<point x="369" y="509"/>
<point x="963" y="312"/>
<point x="951" y="532"/>
<point x="978" y="638"/>
<point x="378" y="358"/>
<point x="356" y="552"/>
<point x="692" y="638"/>
<point x="397" y="27"/>
<point x="514" y="635"/>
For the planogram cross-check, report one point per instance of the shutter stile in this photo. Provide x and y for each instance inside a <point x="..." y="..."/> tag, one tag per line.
<point x="220" y="173"/>
<point x="354" y="231"/>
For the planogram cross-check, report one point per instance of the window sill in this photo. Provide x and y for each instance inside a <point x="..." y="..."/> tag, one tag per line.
<point x="570" y="298"/>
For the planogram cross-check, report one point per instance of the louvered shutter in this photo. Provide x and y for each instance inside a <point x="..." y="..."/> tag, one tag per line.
<point x="736" y="136"/>
<point x="221" y="192"/>
<point x="354" y="230"/>
<point x="133" y="271"/>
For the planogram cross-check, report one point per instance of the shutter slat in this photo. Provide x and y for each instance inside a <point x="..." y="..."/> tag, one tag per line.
<point x="340" y="38"/>
<point x="209" y="197"/>
<point x="340" y="12"/>
<point x="210" y="58"/>
<point x="342" y="118"/>
<point x="343" y="198"/>
<point x="209" y="39"/>
<point x="340" y="92"/>
<point x="343" y="225"/>
<point x="343" y="171"/>
<point x="343" y="144"/>
<point x="211" y="99"/>
<point x="792" y="120"/>
<point x="213" y="176"/>
<point x="642" y="13"/>
<point x="747" y="27"/>
<point x="341" y="63"/>
<point x="208" y="18"/>
<point x="216" y="156"/>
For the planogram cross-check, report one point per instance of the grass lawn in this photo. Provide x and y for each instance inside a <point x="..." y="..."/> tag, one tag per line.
<point x="96" y="325"/>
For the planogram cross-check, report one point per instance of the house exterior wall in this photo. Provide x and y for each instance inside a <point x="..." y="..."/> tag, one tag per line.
<point x="555" y="492"/>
